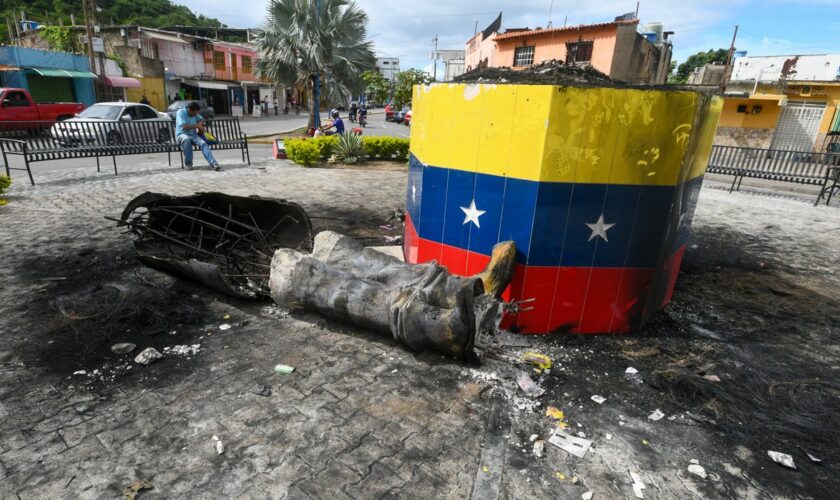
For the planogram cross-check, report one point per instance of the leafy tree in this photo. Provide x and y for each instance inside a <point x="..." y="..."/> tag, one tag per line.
<point x="60" y="38"/>
<point x="405" y="81"/>
<point x="697" y="60"/>
<point x="151" y="13"/>
<point x="300" y="41"/>
<point x="376" y="86"/>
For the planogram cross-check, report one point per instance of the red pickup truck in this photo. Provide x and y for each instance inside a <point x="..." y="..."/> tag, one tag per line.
<point x="16" y="105"/>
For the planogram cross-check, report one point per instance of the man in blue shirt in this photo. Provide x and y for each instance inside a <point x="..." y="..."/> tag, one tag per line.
<point x="337" y="123"/>
<point x="188" y="124"/>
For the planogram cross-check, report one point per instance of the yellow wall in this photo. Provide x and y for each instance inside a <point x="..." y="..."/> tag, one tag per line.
<point x="730" y="117"/>
<point x="769" y="115"/>
<point x="564" y="134"/>
<point x="153" y="88"/>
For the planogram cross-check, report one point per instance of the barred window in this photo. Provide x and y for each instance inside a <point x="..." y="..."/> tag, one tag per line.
<point x="218" y="60"/>
<point x="246" y="64"/>
<point x="523" y="56"/>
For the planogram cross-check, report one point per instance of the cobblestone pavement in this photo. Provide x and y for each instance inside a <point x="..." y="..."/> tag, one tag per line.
<point x="358" y="418"/>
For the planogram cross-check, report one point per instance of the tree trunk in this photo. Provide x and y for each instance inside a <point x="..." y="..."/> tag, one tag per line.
<point x="311" y="123"/>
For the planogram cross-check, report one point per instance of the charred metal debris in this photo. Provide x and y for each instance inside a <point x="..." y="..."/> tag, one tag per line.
<point x="225" y="242"/>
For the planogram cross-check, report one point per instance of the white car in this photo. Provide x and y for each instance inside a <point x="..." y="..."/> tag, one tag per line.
<point x="113" y="123"/>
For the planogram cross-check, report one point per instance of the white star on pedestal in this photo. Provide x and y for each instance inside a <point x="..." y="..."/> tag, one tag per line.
<point x="599" y="229"/>
<point x="472" y="214"/>
<point x="413" y="194"/>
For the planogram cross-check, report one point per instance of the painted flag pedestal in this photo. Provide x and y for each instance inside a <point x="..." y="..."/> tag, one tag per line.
<point x="597" y="186"/>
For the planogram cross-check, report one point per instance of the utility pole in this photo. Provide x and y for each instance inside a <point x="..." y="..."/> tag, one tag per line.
<point x="727" y="72"/>
<point x="86" y="5"/>
<point x="434" y="59"/>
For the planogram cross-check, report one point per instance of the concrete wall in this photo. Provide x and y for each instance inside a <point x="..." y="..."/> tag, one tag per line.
<point x="552" y="45"/>
<point x="637" y="60"/>
<point x="744" y="137"/>
<point x="823" y="67"/>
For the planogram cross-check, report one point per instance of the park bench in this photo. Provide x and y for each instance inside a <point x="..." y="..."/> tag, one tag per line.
<point x="801" y="167"/>
<point x="46" y="141"/>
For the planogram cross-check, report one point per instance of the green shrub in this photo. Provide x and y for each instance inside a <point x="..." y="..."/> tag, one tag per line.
<point x="348" y="149"/>
<point x="303" y="151"/>
<point x="325" y="144"/>
<point x="386" y="148"/>
<point x="5" y="182"/>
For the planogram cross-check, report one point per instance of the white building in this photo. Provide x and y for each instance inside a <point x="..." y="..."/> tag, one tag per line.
<point x="453" y="63"/>
<point x="821" y="68"/>
<point x="388" y="66"/>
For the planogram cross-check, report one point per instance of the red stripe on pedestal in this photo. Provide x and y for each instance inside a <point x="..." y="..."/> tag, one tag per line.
<point x="672" y="270"/>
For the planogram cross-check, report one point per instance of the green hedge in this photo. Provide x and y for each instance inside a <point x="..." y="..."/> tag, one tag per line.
<point x="308" y="152"/>
<point x="5" y="182"/>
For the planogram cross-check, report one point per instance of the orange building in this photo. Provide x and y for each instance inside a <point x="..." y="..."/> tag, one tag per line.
<point x="621" y="49"/>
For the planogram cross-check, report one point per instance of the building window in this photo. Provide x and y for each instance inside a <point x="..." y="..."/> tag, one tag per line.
<point x="579" y="52"/>
<point x="523" y="56"/>
<point x="218" y="60"/>
<point x="246" y="64"/>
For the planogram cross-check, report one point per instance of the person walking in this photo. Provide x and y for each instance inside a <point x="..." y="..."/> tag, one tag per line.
<point x="145" y="101"/>
<point x="188" y="125"/>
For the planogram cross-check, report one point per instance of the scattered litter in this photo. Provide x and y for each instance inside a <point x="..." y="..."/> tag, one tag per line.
<point x="555" y="413"/>
<point x="782" y="459"/>
<point x="575" y="480"/>
<point x="123" y="348"/>
<point x="220" y="447"/>
<point x="130" y="491"/>
<point x="609" y="437"/>
<point x="641" y="353"/>
<point x="645" y="442"/>
<point x="632" y="375"/>
<point x="598" y="399"/>
<point x="149" y="355"/>
<point x="80" y="372"/>
<point x="586" y="496"/>
<point x="185" y="350"/>
<point x="559" y="475"/>
<point x="813" y="458"/>
<point x="486" y="470"/>
<point x="694" y="461"/>
<point x="581" y="434"/>
<point x="638" y="485"/>
<point x="697" y="470"/>
<point x="571" y="444"/>
<point x="528" y="386"/>
<point x="261" y="390"/>
<point x="712" y="378"/>
<point x="224" y="327"/>
<point x="540" y="361"/>
<point x="393" y="239"/>
<point x="539" y="448"/>
<point x="656" y="415"/>
<point x="699" y="418"/>
<point x="226" y="316"/>
<point x="284" y="369"/>
<point x="533" y="437"/>
<point x="394" y="370"/>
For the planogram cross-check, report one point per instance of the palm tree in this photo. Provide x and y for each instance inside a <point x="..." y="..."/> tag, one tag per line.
<point x="302" y="39"/>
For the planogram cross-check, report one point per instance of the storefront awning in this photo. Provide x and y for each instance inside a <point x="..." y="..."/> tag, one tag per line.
<point x="62" y="73"/>
<point x="122" y="81"/>
<point x="208" y="85"/>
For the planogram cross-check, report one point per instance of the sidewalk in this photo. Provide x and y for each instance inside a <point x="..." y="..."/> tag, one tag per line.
<point x="361" y="417"/>
<point x="279" y="124"/>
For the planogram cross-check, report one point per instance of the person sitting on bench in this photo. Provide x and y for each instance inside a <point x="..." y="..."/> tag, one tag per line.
<point x="188" y="125"/>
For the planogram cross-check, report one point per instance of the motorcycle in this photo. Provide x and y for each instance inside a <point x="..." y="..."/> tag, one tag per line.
<point x="363" y="119"/>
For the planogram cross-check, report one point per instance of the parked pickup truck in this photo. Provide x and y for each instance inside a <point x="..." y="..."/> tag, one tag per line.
<point x="16" y="105"/>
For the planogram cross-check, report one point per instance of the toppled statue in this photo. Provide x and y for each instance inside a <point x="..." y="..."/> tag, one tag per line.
<point x="421" y="305"/>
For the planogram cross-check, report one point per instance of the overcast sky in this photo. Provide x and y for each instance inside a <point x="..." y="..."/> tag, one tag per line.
<point x="405" y="29"/>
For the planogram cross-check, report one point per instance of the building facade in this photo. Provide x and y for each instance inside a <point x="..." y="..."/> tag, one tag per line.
<point x="388" y="67"/>
<point x="782" y="102"/>
<point x="48" y="76"/>
<point x="621" y="49"/>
